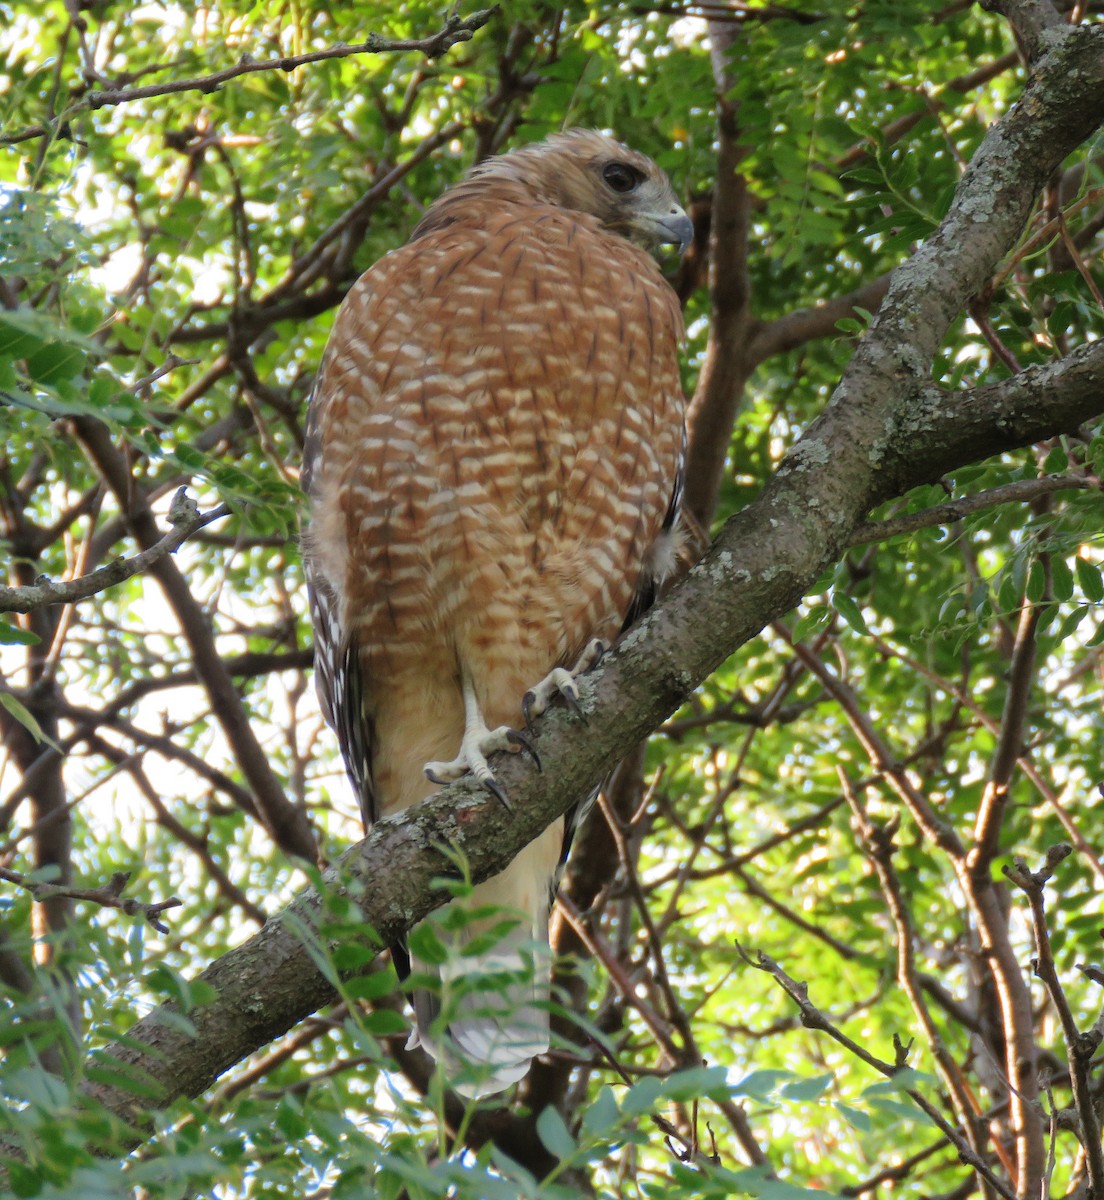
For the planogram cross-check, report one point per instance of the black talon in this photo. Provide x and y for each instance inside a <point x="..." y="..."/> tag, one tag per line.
<point x="516" y="738"/>
<point x="571" y="699"/>
<point x="436" y="778"/>
<point x="527" y="709"/>
<point x="492" y="786"/>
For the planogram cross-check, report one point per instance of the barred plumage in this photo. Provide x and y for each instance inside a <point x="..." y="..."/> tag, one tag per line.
<point x="493" y="456"/>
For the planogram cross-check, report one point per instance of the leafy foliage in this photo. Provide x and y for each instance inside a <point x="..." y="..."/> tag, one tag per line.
<point x="170" y="262"/>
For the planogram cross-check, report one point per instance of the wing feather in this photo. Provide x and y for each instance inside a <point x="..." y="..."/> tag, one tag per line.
<point x="338" y="677"/>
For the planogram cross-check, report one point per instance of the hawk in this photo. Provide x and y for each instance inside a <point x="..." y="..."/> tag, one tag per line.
<point x="493" y="463"/>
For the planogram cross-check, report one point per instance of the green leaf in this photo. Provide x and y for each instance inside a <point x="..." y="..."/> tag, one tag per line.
<point x="12" y="635"/>
<point x="25" y="330"/>
<point x="1089" y="579"/>
<point x="855" y="1117"/>
<point x="849" y="610"/>
<point x="807" y="1089"/>
<point x="812" y="622"/>
<point x="370" y="986"/>
<point x="602" y="1115"/>
<point x="290" y="1120"/>
<point x="25" y="718"/>
<point x="1070" y="623"/>
<point x="695" y="1083"/>
<point x="761" y="1085"/>
<point x="900" y="1109"/>
<point x="642" y="1097"/>
<point x="759" y="1182"/>
<point x="349" y="955"/>
<point x="554" y="1134"/>
<point x="383" y="1022"/>
<point x="1057" y="461"/>
<point x="424" y="943"/>
<point x="110" y="1073"/>
<point x="55" y="363"/>
<point x="25" y="1180"/>
<point x="781" y="1189"/>
<point x="1036" y="582"/>
<point x="1061" y="578"/>
<point x="189" y="457"/>
<point x="906" y="1079"/>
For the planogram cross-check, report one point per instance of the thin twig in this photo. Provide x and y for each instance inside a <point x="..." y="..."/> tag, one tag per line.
<point x="185" y="518"/>
<point x="1039" y="239"/>
<point x="1010" y="738"/>
<point x="813" y="1018"/>
<point x="895" y="1174"/>
<point x="956" y="510"/>
<point x="1080" y="1047"/>
<point x="108" y="896"/>
<point x="941" y="833"/>
<point x="456" y="29"/>
<point x="309" y="1031"/>
<point x="1079" y="262"/>
<point x="878" y="844"/>
<point x="1030" y="771"/>
<point x="626" y="987"/>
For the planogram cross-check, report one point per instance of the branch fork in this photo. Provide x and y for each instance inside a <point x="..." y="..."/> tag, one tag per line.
<point x="109" y="895"/>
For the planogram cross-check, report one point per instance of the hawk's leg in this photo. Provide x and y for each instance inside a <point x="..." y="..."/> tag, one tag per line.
<point x="561" y="682"/>
<point x="479" y="741"/>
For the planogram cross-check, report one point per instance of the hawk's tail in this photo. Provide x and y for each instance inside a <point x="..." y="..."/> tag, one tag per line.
<point x="496" y="1006"/>
<point x="490" y="1018"/>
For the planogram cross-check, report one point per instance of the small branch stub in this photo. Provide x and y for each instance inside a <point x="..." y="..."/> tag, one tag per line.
<point x="183" y="508"/>
<point x="1019" y="873"/>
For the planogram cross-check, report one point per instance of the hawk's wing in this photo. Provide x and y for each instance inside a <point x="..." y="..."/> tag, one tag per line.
<point x="337" y="672"/>
<point x="651" y="579"/>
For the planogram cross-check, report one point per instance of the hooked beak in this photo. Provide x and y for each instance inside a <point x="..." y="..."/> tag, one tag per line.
<point x="672" y="227"/>
<point x="675" y="229"/>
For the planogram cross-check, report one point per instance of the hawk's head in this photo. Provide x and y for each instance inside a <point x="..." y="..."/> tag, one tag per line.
<point x="591" y="173"/>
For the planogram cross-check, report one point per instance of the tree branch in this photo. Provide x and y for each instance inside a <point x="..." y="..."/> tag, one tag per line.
<point x="805" y="324"/>
<point x="881" y="756"/>
<point x="1080" y="1047"/>
<point x="813" y="1018"/>
<point x="456" y="29"/>
<point x="393" y="870"/>
<point x="288" y="826"/>
<point x="110" y="895"/>
<point x="725" y="368"/>
<point x="877" y="841"/>
<point x="955" y="510"/>
<point x="185" y="521"/>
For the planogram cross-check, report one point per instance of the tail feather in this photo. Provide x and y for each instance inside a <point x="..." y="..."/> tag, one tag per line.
<point x="494" y="1000"/>
<point x="496" y="1005"/>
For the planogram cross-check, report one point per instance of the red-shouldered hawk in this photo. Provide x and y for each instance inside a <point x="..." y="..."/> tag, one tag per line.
<point x="493" y="462"/>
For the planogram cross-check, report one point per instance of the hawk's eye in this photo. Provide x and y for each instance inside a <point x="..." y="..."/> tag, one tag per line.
<point x="620" y="176"/>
